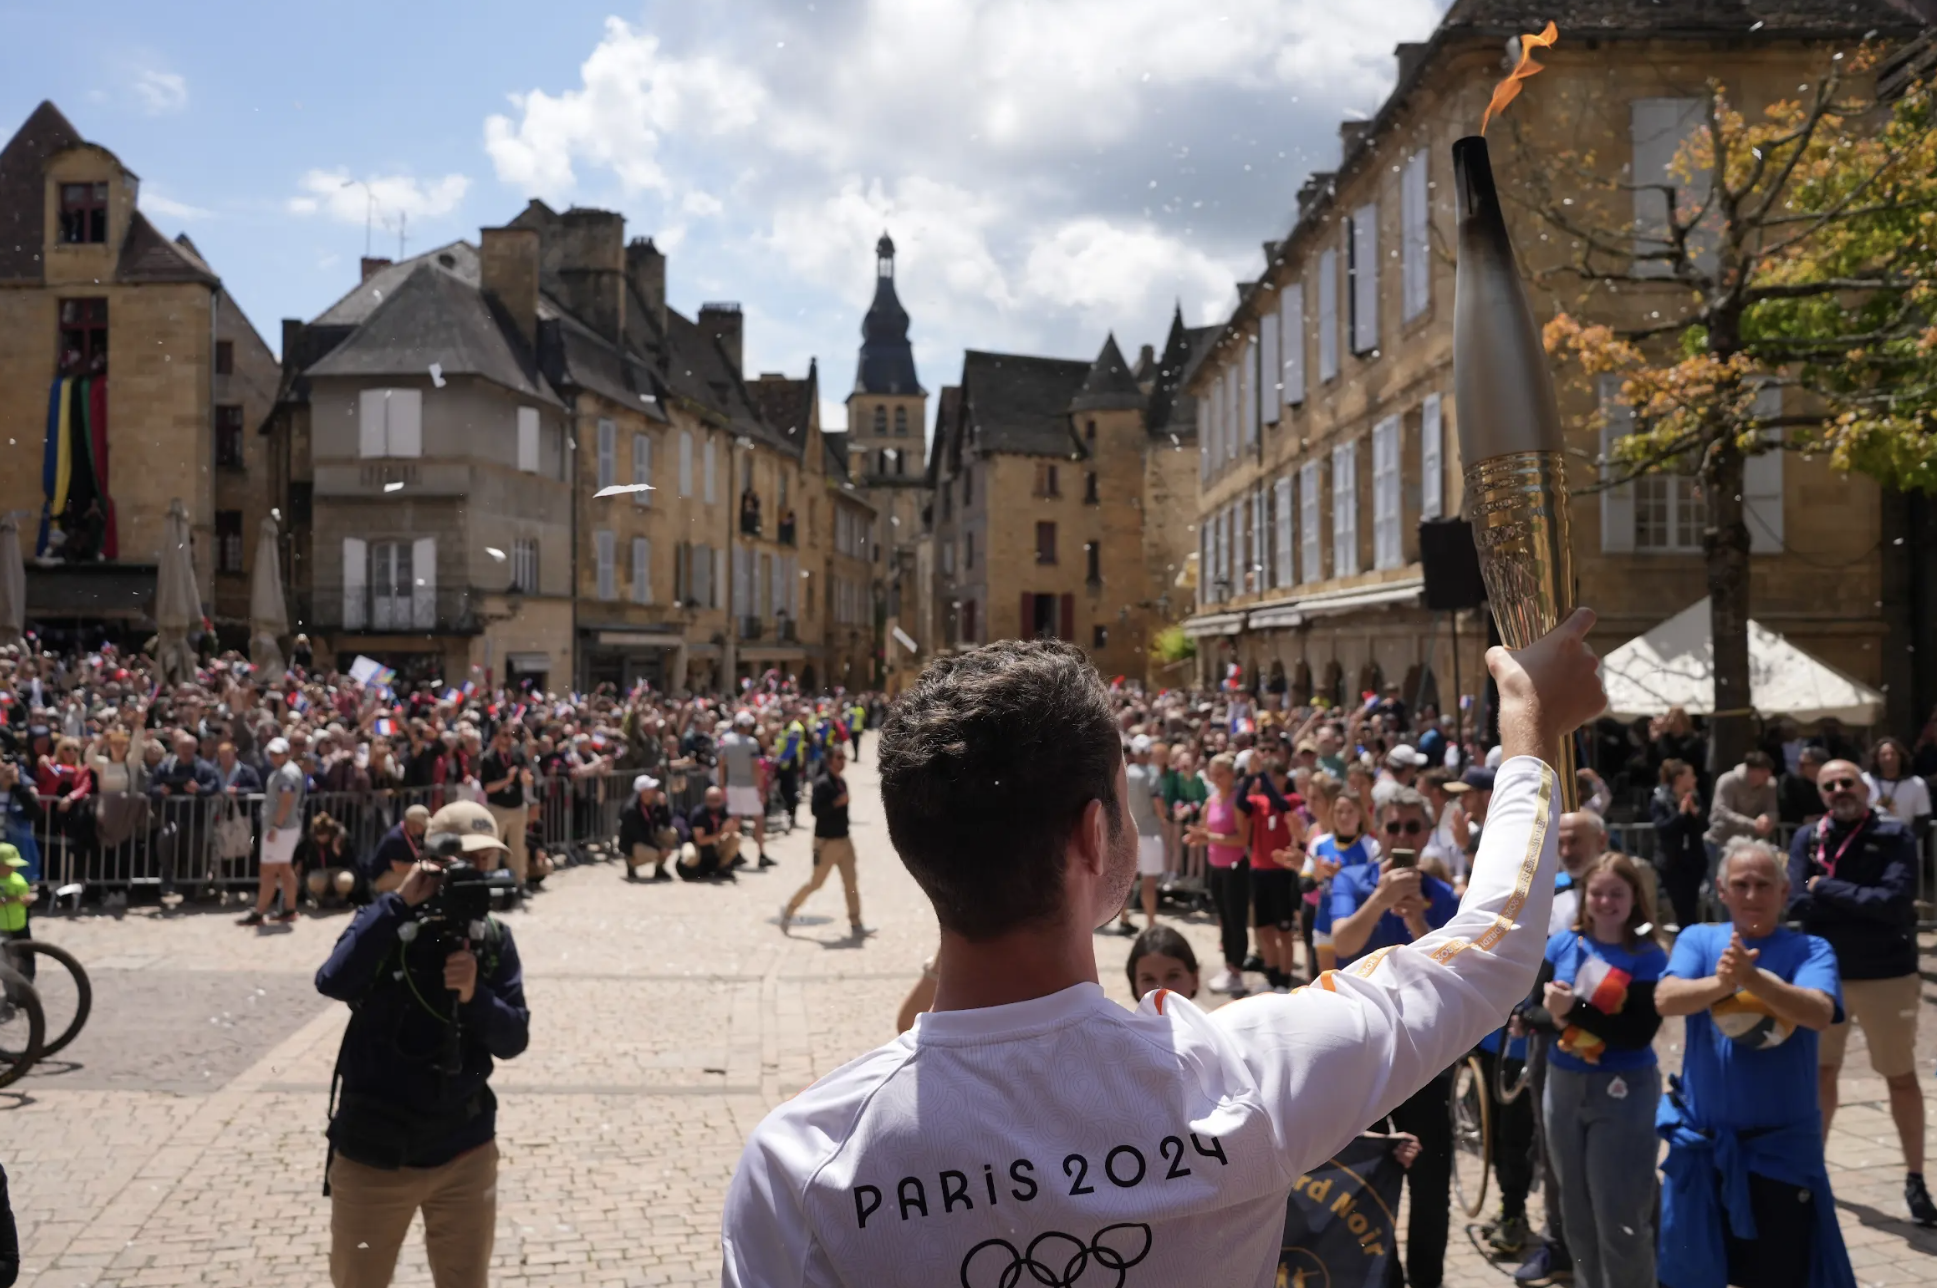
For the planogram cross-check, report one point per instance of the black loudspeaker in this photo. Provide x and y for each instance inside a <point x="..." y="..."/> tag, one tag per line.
<point x="1451" y="564"/>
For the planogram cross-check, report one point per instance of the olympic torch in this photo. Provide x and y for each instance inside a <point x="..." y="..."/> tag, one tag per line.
<point x="1509" y="430"/>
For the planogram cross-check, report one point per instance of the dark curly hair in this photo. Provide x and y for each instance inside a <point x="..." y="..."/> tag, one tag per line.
<point x="987" y="765"/>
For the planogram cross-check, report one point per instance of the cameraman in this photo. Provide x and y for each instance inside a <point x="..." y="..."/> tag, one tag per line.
<point x="415" y="1124"/>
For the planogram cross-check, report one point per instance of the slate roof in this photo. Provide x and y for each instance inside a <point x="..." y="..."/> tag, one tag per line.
<point x="147" y="256"/>
<point x="786" y="405"/>
<point x="435" y="317"/>
<point x="575" y="354"/>
<point x="887" y="363"/>
<point x="23" y="204"/>
<point x="1014" y="403"/>
<point x="1109" y="385"/>
<point x="1682" y="18"/>
<point x="362" y="299"/>
<point x="1173" y="410"/>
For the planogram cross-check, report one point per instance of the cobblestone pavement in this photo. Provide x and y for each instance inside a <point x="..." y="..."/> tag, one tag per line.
<point x="178" y="1141"/>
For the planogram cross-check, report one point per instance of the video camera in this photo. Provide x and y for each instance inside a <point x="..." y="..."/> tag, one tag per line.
<point x="455" y="916"/>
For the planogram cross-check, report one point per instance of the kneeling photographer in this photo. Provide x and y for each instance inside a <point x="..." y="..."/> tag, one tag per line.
<point x="435" y="992"/>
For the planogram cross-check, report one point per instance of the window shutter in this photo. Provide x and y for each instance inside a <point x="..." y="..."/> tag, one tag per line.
<point x="1432" y="467"/>
<point x="1271" y="365"/>
<point x="1617" y="503"/>
<point x="685" y="462"/>
<point x="1387" y="549"/>
<point x="1248" y="389"/>
<point x="1203" y="440"/>
<point x="711" y="470"/>
<point x="1762" y="480"/>
<point x="1233" y="405"/>
<point x="372" y="439"/>
<point x="1310" y="564"/>
<point x="1292" y="342"/>
<point x="423" y="590"/>
<point x="356" y="582"/>
<point x="642" y="468"/>
<point x="405" y="422"/>
<point x="641" y="571"/>
<point x="1327" y="314"/>
<point x="1286" y="575"/>
<point x="1657" y="127"/>
<point x="719" y="575"/>
<point x="1345" y="510"/>
<point x="1415" y="205"/>
<point x="1067" y="618"/>
<point x="1365" y="278"/>
<point x="608" y="454"/>
<point x="528" y="438"/>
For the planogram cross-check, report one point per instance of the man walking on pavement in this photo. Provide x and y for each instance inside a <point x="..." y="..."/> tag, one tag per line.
<point x="1853" y="882"/>
<point x="282" y="828"/>
<point x="833" y="848"/>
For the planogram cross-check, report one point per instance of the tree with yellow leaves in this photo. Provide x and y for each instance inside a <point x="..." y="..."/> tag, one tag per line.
<point x="1789" y="259"/>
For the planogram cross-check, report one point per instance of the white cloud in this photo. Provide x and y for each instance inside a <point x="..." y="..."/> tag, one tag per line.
<point x="161" y="92"/>
<point x="349" y="200"/>
<point x="156" y="204"/>
<point x="630" y="97"/>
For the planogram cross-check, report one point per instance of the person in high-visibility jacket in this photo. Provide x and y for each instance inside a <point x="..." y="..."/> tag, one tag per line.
<point x="857" y="719"/>
<point x="789" y="758"/>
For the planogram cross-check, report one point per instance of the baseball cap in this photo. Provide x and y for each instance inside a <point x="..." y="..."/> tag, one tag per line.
<point x="417" y="814"/>
<point x="1404" y="757"/>
<point x="744" y="719"/>
<point x="10" y="857"/>
<point x="1140" y="745"/>
<point x="277" y="747"/>
<point x="1305" y="745"/>
<point x="1478" y="779"/>
<point x="644" y="783"/>
<point x="470" y="822"/>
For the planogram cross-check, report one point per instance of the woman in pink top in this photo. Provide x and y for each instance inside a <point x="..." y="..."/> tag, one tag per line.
<point x="1223" y="832"/>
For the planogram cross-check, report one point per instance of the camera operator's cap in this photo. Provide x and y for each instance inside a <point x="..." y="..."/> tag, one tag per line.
<point x="10" y="857"/>
<point x="644" y="783"/>
<point x="277" y="747"/>
<point x="1478" y="779"/>
<point x="469" y="822"/>
<point x="1140" y="745"/>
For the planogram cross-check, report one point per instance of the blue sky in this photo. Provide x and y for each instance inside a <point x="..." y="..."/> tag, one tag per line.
<point x="1050" y="169"/>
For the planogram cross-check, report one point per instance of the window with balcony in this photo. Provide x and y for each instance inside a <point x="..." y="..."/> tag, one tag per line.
<point x="228" y="541"/>
<point x="750" y="513"/>
<point x="84" y="214"/>
<point x="84" y="337"/>
<point x="228" y="436"/>
<point x="1045" y="543"/>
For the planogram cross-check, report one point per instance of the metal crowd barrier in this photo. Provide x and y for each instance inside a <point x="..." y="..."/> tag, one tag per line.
<point x="189" y="844"/>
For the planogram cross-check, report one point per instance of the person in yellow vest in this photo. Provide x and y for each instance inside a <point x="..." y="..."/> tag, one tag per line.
<point x="15" y="898"/>
<point x="857" y="717"/>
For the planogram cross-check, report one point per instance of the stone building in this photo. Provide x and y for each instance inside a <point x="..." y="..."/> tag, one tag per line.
<point x="1062" y="496"/>
<point x="162" y="380"/>
<point x="887" y="416"/>
<point x="1325" y="405"/>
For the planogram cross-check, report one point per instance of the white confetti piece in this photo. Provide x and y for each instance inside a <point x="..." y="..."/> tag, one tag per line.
<point x="393" y="487"/>
<point x="437" y="374"/>
<point x="620" y="489"/>
<point x="495" y="553"/>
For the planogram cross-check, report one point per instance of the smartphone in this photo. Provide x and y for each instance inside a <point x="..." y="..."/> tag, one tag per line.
<point x="1405" y="858"/>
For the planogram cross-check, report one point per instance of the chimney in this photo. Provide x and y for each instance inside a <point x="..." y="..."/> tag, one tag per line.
<point x="508" y="272"/>
<point x="1409" y="53"/>
<point x="645" y="269"/>
<point x="1349" y="134"/>
<point x="591" y="269"/>
<point x="292" y="345"/>
<point x="722" y="322"/>
<point x="1318" y="185"/>
<point x="372" y="266"/>
<point x="1147" y="356"/>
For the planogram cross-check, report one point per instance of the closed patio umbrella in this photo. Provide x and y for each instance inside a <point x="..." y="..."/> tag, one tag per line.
<point x="13" y="582"/>
<point x="178" y="602"/>
<point x="268" y="613"/>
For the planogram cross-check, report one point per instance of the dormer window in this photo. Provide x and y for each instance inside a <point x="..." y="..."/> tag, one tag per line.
<point x="84" y="214"/>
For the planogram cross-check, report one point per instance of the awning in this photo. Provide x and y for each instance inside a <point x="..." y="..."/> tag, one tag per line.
<point x="529" y="662"/>
<point x="773" y="652"/>
<point x="1353" y="598"/>
<point x="1276" y="615"/>
<point x="1213" y="624"/>
<point x="1673" y="665"/>
<point x="637" y="639"/>
<point x="124" y="591"/>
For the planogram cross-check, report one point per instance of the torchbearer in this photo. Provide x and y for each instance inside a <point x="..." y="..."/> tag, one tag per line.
<point x="1509" y="430"/>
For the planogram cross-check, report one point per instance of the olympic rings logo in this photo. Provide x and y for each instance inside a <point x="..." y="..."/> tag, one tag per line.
<point x="1058" y="1260"/>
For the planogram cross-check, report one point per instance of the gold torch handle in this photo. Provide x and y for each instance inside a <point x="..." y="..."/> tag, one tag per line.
<point x="1521" y="529"/>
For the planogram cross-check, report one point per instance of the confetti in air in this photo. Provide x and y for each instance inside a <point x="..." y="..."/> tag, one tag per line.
<point x="495" y="553"/>
<point x="1509" y="89"/>
<point x="620" y="489"/>
<point x="437" y="374"/>
<point x="393" y="487"/>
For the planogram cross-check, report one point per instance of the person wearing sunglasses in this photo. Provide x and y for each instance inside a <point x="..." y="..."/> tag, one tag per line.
<point x="1853" y="882"/>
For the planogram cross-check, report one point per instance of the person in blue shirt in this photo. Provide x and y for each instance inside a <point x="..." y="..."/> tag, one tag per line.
<point x="1378" y="906"/>
<point x="1346" y="844"/>
<point x="1596" y="1001"/>
<point x="1745" y="1195"/>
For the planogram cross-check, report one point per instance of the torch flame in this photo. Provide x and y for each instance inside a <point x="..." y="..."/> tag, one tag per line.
<point x="1509" y="89"/>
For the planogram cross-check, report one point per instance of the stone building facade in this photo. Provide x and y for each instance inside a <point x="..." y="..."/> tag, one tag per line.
<point x="1325" y="406"/>
<point x="135" y="334"/>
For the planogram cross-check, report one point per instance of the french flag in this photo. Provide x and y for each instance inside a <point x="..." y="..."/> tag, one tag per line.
<point x="299" y="702"/>
<point x="386" y="727"/>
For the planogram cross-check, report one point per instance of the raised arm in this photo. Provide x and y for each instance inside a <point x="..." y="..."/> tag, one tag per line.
<point x="1343" y="1053"/>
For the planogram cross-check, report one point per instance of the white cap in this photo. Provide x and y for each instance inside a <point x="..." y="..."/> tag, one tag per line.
<point x="745" y="718"/>
<point x="644" y="783"/>
<point x="1140" y="745"/>
<point x="1405" y="757"/>
<point x="277" y="747"/>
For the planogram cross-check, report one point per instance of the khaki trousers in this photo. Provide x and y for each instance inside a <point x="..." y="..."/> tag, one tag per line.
<point x="651" y="855"/>
<point x="832" y="852"/>
<point x="370" y="1211"/>
<point x="511" y="830"/>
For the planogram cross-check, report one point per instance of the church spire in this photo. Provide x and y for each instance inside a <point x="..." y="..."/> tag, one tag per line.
<point x="887" y="363"/>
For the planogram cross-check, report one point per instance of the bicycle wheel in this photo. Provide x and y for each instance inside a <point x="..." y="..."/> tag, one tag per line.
<point x="66" y="995"/>
<point x="1472" y="1135"/>
<point x="22" y="1026"/>
<point x="1506" y="1089"/>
